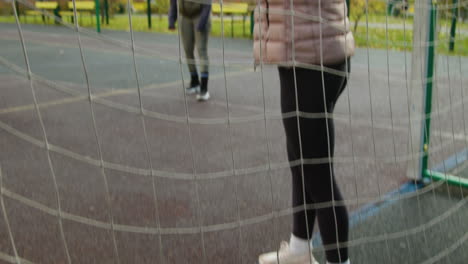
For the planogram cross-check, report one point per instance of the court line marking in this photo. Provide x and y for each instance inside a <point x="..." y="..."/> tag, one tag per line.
<point x="452" y="162"/>
<point x="124" y="107"/>
<point x="373" y="208"/>
<point x="81" y="97"/>
<point x="11" y="259"/>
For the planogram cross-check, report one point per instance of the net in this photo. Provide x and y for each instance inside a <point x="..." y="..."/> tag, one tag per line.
<point x="448" y="114"/>
<point x="108" y="160"/>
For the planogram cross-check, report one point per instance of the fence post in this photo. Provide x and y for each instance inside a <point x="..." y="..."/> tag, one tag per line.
<point x="348" y="7"/>
<point x="454" y="25"/>
<point x="252" y="22"/>
<point x="98" y="22"/>
<point x="106" y="11"/>
<point x="148" y="12"/>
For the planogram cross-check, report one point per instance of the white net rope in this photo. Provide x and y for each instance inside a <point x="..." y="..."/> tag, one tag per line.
<point x="392" y="123"/>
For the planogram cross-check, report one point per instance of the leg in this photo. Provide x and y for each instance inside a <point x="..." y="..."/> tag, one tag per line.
<point x="187" y="34"/>
<point x="316" y="142"/>
<point x="201" y="41"/>
<point x="320" y="142"/>
<point x="302" y="228"/>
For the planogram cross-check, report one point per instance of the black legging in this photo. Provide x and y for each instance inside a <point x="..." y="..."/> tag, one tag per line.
<point x="318" y="178"/>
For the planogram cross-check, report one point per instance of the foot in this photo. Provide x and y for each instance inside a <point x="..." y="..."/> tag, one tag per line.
<point x="192" y="89"/>
<point x="284" y="256"/>
<point x="203" y="96"/>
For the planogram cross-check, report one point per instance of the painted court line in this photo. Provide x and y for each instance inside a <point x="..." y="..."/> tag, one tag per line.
<point x="372" y="209"/>
<point x="452" y="162"/>
<point x="78" y="98"/>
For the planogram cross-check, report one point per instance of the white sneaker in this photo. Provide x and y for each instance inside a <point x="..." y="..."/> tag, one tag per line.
<point x="203" y="96"/>
<point x="284" y="256"/>
<point x="192" y="90"/>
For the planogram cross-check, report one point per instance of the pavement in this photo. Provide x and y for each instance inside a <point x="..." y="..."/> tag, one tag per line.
<point x="190" y="182"/>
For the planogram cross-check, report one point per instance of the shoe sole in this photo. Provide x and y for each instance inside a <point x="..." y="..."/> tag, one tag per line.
<point x="201" y="98"/>
<point x="258" y="262"/>
<point x="291" y="261"/>
<point x="193" y="90"/>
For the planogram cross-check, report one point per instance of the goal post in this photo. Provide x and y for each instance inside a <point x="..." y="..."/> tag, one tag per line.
<point x="420" y="88"/>
<point x="422" y="93"/>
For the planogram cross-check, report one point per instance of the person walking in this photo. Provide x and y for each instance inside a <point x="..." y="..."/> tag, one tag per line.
<point x="195" y="26"/>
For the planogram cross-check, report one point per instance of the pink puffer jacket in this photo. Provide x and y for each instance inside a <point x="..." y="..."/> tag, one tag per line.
<point x="320" y="29"/>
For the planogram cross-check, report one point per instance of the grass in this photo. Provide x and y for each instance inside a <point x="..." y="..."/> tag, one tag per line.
<point x="382" y="19"/>
<point x="140" y="23"/>
<point x="374" y="18"/>
<point x="371" y="37"/>
<point x="399" y="40"/>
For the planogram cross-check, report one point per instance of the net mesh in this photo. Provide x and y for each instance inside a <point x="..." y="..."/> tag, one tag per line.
<point x="108" y="160"/>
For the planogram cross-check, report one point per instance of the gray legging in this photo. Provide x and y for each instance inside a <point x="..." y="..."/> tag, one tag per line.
<point x="191" y="37"/>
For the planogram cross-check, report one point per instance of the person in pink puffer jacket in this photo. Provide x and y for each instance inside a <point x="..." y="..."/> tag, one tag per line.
<point x="311" y="43"/>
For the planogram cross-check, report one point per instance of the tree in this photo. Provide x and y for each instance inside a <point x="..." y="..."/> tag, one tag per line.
<point x="361" y="8"/>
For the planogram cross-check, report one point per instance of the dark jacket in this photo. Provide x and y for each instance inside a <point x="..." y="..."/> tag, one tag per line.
<point x="190" y="9"/>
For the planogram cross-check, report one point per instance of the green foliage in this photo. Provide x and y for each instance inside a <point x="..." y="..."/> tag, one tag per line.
<point x="397" y="40"/>
<point x="162" y="7"/>
<point x="117" y="7"/>
<point x="5" y="8"/>
<point x="362" y="8"/>
<point x="462" y="9"/>
<point x="372" y="37"/>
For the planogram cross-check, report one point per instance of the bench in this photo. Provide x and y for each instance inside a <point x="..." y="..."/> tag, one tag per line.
<point x="86" y="6"/>
<point x="410" y="11"/>
<point x="139" y="7"/>
<point x="41" y="7"/>
<point x="232" y="9"/>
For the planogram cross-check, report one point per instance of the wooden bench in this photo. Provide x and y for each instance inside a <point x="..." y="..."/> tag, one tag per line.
<point x="41" y="7"/>
<point x="410" y="11"/>
<point x="139" y="7"/>
<point x="232" y="9"/>
<point x="81" y="6"/>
